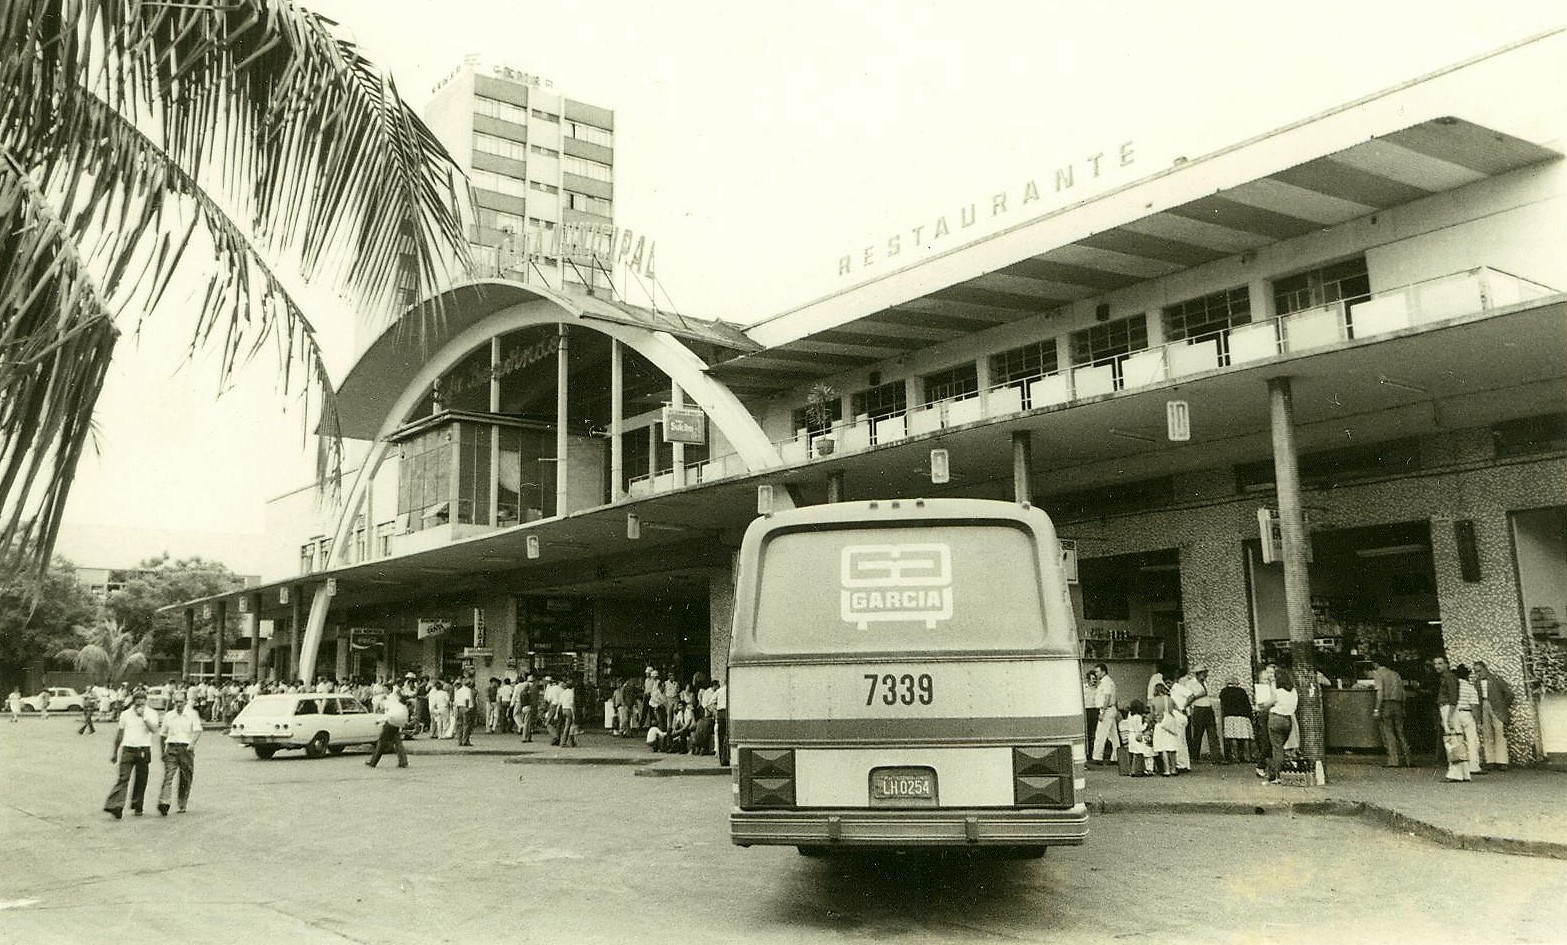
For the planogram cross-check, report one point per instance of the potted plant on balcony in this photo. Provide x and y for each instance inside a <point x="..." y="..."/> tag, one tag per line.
<point x="818" y="417"/>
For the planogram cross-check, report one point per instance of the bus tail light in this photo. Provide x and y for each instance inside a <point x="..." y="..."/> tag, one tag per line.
<point x="766" y="777"/>
<point x="1042" y="776"/>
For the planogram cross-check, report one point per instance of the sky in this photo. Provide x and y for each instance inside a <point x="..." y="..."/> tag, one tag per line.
<point x="756" y="144"/>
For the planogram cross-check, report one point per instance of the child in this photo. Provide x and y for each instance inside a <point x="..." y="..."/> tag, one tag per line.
<point x="1235" y="707"/>
<point x="1136" y="737"/>
<point x="1169" y="731"/>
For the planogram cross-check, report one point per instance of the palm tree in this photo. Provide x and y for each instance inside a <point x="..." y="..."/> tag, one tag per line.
<point x="109" y="652"/>
<point x="144" y="142"/>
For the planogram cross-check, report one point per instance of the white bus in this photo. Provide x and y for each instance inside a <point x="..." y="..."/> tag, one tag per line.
<point x="904" y="674"/>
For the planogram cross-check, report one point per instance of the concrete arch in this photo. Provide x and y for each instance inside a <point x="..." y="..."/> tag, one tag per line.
<point x="665" y="351"/>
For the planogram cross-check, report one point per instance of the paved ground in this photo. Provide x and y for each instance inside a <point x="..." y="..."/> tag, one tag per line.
<point x="476" y="849"/>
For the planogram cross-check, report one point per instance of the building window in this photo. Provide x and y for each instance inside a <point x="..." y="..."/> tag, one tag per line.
<point x="495" y="108"/>
<point x="587" y="204"/>
<point x="326" y="553"/>
<point x="1530" y="435"/>
<point x="383" y="538"/>
<point x="500" y="183"/>
<point x="1109" y="340"/>
<point x="307" y="557"/>
<point x="886" y="400"/>
<point x="957" y="381"/>
<point x="590" y="133"/>
<point x="545" y="116"/>
<point x="1209" y="315"/>
<point x="497" y="220"/>
<point x="501" y="147"/>
<point x="1345" y="281"/>
<point x="1326" y="469"/>
<point x="424" y="481"/>
<point x="585" y="168"/>
<point x="797" y="419"/>
<point x="1023" y="364"/>
<point x="541" y="186"/>
<point x="542" y="151"/>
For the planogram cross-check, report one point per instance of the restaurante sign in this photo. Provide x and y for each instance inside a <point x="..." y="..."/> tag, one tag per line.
<point x="1035" y="195"/>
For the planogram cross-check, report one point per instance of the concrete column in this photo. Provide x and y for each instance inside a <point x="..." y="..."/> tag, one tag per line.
<point x="254" y="618"/>
<point x="562" y="467"/>
<point x="617" y="446"/>
<point x="320" y="603"/>
<point x="218" y="642"/>
<point x="835" y="486"/>
<point x="721" y="613"/>
<point x="190" y="636"/>
<point x="494" y="510"/>
<point x="296" y="622"/>
<point x="677" y="398"/>
<point x="342" y="655"/>
<point x="1022" y="464"/>
<point x="1297" y="577"/>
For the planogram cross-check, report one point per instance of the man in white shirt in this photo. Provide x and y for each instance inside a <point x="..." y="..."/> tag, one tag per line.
<point x="132" y="750"/>
<point x="503" y="706"/>
<point x="462" y="705"/>
<point x="181" y="729"/>
<point x="440" y="710"/>
<point x="552" y="708"/>
<point x="392" y="731"/>
<point x="566" y="704"/>
<point x="1203" y="719"/>
<point x="721" y="705"/>
<point x="1108" y="726"/>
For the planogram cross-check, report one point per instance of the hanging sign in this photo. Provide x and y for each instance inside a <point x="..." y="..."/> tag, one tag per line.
<point x="684" y="425"/>
<point x="429" y="627"/>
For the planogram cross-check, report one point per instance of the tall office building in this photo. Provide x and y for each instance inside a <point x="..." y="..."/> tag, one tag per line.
<point x="542" y="169"/>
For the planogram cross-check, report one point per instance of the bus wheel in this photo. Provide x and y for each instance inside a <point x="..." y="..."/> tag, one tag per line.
<point x="811" y="850"/>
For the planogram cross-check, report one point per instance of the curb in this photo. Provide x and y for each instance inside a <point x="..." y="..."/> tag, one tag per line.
<point x="1376" y="814"/>
<point x="682" y="772"/>
<point x="578" y="760"/>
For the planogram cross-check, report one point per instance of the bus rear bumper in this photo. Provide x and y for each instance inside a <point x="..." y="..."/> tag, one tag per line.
<point x="953" y="827"/>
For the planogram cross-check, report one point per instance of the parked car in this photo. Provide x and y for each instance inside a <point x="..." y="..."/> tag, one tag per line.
<point x="318" y="722"/>
<point x="160" y="697"/>
<point x="61" y="699"/>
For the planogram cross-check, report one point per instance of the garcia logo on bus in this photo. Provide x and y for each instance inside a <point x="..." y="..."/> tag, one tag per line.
<point x="896" y="583"/>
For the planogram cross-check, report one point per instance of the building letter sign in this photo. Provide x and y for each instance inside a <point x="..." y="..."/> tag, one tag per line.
<point x="684" y="425"/>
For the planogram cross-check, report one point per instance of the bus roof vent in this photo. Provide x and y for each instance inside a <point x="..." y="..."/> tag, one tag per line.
<point x="919" y="503"/>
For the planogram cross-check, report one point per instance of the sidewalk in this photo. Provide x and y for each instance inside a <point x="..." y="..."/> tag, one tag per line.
<point x="1520" y="812"/>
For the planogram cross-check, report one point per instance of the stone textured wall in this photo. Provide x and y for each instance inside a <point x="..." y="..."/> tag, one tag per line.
<point x="1480" y="620"/>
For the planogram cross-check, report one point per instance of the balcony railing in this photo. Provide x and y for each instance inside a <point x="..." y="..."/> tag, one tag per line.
<point x="1412" y="306"/>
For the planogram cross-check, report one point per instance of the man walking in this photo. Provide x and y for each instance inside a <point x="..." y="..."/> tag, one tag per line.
<point x="462" y="705"/>
<point x="89" y="708"/>
<point x="1107" y="728"/>
<point x="132" y="750"/>
<point x="526" y="696"/>
<point x="392" y="731"/>
<point x="181" y="730"/>
<point x="1389" y="712"/>
<point x="1496" y="707"/>
<point x="1203" y="720"/>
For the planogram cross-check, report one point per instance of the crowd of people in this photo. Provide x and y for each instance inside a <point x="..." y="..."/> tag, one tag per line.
<point x="1179" y="716"/>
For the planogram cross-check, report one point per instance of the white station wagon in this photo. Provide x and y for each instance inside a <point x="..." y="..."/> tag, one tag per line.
<point x="318" y="722"/>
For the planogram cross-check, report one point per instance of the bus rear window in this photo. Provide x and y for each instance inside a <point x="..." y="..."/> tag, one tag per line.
<point x="900" y="590"/>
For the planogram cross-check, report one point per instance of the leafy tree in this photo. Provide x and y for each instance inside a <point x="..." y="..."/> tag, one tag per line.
<point x="144" y="142"/>
<point x="159" y="582"/>
<point x="108" y="652"/>
<point x="38" y="617"/>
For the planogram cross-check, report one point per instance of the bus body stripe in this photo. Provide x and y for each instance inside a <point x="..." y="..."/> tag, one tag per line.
<point x="815" y="731"/>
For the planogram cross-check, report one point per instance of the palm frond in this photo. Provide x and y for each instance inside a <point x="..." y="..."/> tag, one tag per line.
<point x="151" y="128"/>
<point x="56" y="337"/>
